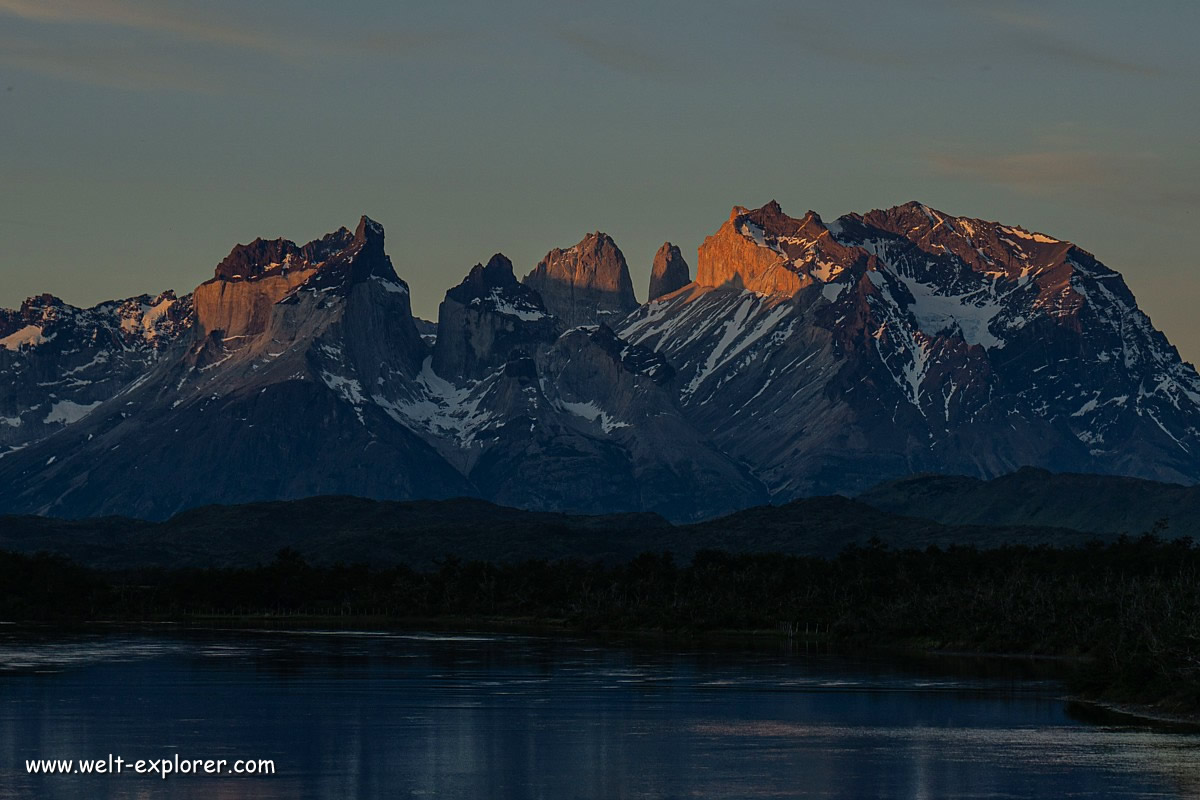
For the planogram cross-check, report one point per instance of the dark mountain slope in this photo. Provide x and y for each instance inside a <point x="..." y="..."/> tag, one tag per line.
<point x="831" y="356"/>
<point x="1101" y="504"/>
<point x="806" y="358"/>
<point x="350" y="529"/>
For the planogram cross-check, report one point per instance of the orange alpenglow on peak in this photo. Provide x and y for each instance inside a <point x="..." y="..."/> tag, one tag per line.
<point x="585" y="284"/>
<point x="766" y="251"/>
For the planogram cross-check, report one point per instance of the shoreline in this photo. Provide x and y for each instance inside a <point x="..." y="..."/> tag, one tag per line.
<point x="1101" y="711"/>
<point x="1178" y="721"/>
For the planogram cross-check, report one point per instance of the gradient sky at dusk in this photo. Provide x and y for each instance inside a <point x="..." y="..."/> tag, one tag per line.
<point x="143" y="138"/>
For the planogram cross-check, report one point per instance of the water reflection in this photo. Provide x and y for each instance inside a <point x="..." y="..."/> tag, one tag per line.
<point x="349" y="714"/>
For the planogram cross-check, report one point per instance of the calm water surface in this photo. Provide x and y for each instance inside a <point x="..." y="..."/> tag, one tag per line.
<point x="375" y="715"/>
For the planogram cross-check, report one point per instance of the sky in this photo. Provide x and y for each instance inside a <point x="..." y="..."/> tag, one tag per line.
<point x="142" y="139"/>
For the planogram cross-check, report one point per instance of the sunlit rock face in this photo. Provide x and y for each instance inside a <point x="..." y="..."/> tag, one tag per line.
<point x="299" y="370"/>
<point x="253" y="277"/>
<point x="282" y="386"/>
<point x="805" y="358"/>
<point x="243" y="307"/>
<point x="910" y="340"/>
<point x="543" y="415"/>
<point x="669" y="272"/>
<point x="767" y="252"/>
<point x="585" y="284"/>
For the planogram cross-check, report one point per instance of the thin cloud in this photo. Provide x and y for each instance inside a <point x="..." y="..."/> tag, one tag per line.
<point x="986" y="33"/>
<point x="817" y="32"/>
<point x="615" y="55"/>
<point x="1062" y="50"/>
<point x="172" y="53"/>
<point x="1018" y="16"/>
<point x="111" y="67"/>
<point x="1145" y="181"/>
<point x="1035" y="172"/>
<point x="1146" y="185"/>
<point x="141" y="17"/>
<point x="1032" y="32"/>
<point x="159" y="20"/>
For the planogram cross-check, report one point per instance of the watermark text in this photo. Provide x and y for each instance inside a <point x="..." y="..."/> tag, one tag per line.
<point x="155" y="767"/>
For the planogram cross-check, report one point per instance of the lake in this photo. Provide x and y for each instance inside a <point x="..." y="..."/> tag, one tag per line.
<point x="395" y="714"/>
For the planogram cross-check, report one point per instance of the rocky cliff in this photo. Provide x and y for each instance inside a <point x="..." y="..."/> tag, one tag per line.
<point x="585" y="284"/>
<point x="669" y="272"/>
<point x="489" y="319"/>
<point x="806" y="358"/>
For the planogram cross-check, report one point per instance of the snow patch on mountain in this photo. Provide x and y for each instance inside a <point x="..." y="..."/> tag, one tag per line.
<point x="349" y="388"/>
<point x="1041" y="238"/>
<point x="66" y="412"/>
<point x="937" y="313"/>
<point x="153" y="314"/>
<point x="390" y="286"/>
<point x="833" y="291"/>
<point x="593" y="413"/>
<point x="755" y="234"/>
<point x="501" y="301"/>
<point x="29" y="336"/>
<point x="442" y="408"/>
<point x="739" y="333"/>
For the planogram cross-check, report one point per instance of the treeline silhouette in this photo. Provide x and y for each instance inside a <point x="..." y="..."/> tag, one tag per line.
<point x="1131" y="607"/>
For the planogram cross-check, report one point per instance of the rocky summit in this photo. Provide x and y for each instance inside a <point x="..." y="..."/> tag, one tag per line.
<point x="805" y="358"/>
<point x="585" y="284"/>
<point x="669" y="272"/>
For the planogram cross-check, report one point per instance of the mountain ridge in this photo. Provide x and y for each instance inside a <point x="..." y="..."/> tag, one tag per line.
<point x="1102" y="505"/>
<point x="333" y="529"/>
<point x="805" y="358"/>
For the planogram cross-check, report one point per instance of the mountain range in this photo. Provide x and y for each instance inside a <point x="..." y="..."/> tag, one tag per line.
<point x="803" y="358"/>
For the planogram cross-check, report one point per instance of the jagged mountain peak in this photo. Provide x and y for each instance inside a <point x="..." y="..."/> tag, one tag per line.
<point x="669" y="272"/>
<point x="488" y="319"/>
<point x="598" y="252"/>
<point x="949" y="340"/>
<point x="362" y="258"/>
<point x="33" y="309"/>
<point x="772" y="219"/>
<point x="915" y="206"/>
<point x="265" y="257"/>
<point x="806" y="357"/>
<point x="368" y="230"/>
<point x="84" y="356"/>
<point x="768" y="252"/>
<point x="256" y="277"/>
<point x="596" y="240"/>
<point x="495" y="274"/>
<point x="132" y="322"/>
<point x="915" y="221"/>
<point x="44" y="300"/>
<point x="249" y="261"/>
<point x="494" y="287"/>
<point x="982" y="244"/>
<point x="940" y="257"/>
<point x="585" y="283"/>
